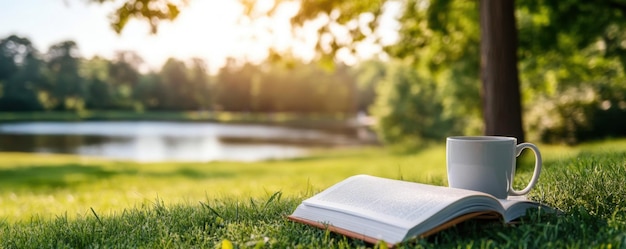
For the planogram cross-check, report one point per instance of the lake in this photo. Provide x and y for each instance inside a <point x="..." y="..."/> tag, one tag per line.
<point x="150" y="141"/>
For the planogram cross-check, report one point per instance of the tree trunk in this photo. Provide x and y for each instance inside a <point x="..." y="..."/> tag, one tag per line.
<point x="502" y="112"/>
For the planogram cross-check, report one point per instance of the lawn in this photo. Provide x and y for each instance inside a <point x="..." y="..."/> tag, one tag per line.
<point x="67" y="201"/>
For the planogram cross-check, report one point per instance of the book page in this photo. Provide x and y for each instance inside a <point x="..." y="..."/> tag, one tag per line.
<point x="516" y="207"/>
<point x="398" y="202"/>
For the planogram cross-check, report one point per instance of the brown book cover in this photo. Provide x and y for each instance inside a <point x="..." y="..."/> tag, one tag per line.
<point x="354" y="235"/>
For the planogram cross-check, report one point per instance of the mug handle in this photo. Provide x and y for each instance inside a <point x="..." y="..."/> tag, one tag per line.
<point x="519" y="148"/>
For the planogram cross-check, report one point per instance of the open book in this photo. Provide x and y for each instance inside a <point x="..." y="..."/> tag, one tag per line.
<point x="374" y="209"/>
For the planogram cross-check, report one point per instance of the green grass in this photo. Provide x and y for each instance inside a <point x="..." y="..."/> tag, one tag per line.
<point x="46" y="185"/>
<point x="66" y="201"/>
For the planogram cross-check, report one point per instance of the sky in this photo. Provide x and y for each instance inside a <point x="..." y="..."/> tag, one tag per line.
<point x="207" y="29"/>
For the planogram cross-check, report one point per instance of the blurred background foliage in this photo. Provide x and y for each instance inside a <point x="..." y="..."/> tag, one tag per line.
<point x="421" y="88"/>
<point x="61" y="80"/>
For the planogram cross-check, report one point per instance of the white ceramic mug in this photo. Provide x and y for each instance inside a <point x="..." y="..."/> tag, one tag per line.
<point x="487" y="164"/>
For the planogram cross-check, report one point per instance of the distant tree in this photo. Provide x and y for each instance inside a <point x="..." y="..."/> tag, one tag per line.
<point x="233" y="86"/>
<point x="10" y="55"/>
<point x="67" y="86"/>
<point x="99" y="92"/>
<point x="21" y="75"/>
<point x="368" y="75"/>
<point x="123" y="77"/>
<point x="199" y="81"/>
<point x="151" y="92"/>
<point x="345" y="89"/>
<point x="178" y="89"/>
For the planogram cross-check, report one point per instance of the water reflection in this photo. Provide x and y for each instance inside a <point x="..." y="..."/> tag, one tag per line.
<point x="164" y="141"/>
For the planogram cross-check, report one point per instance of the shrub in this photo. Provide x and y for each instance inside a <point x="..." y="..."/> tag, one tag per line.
<point x="409" y="108"/>
<point x="578" y="114"/>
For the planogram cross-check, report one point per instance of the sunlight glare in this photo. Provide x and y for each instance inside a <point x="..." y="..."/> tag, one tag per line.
<point x="214" y="30"/>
